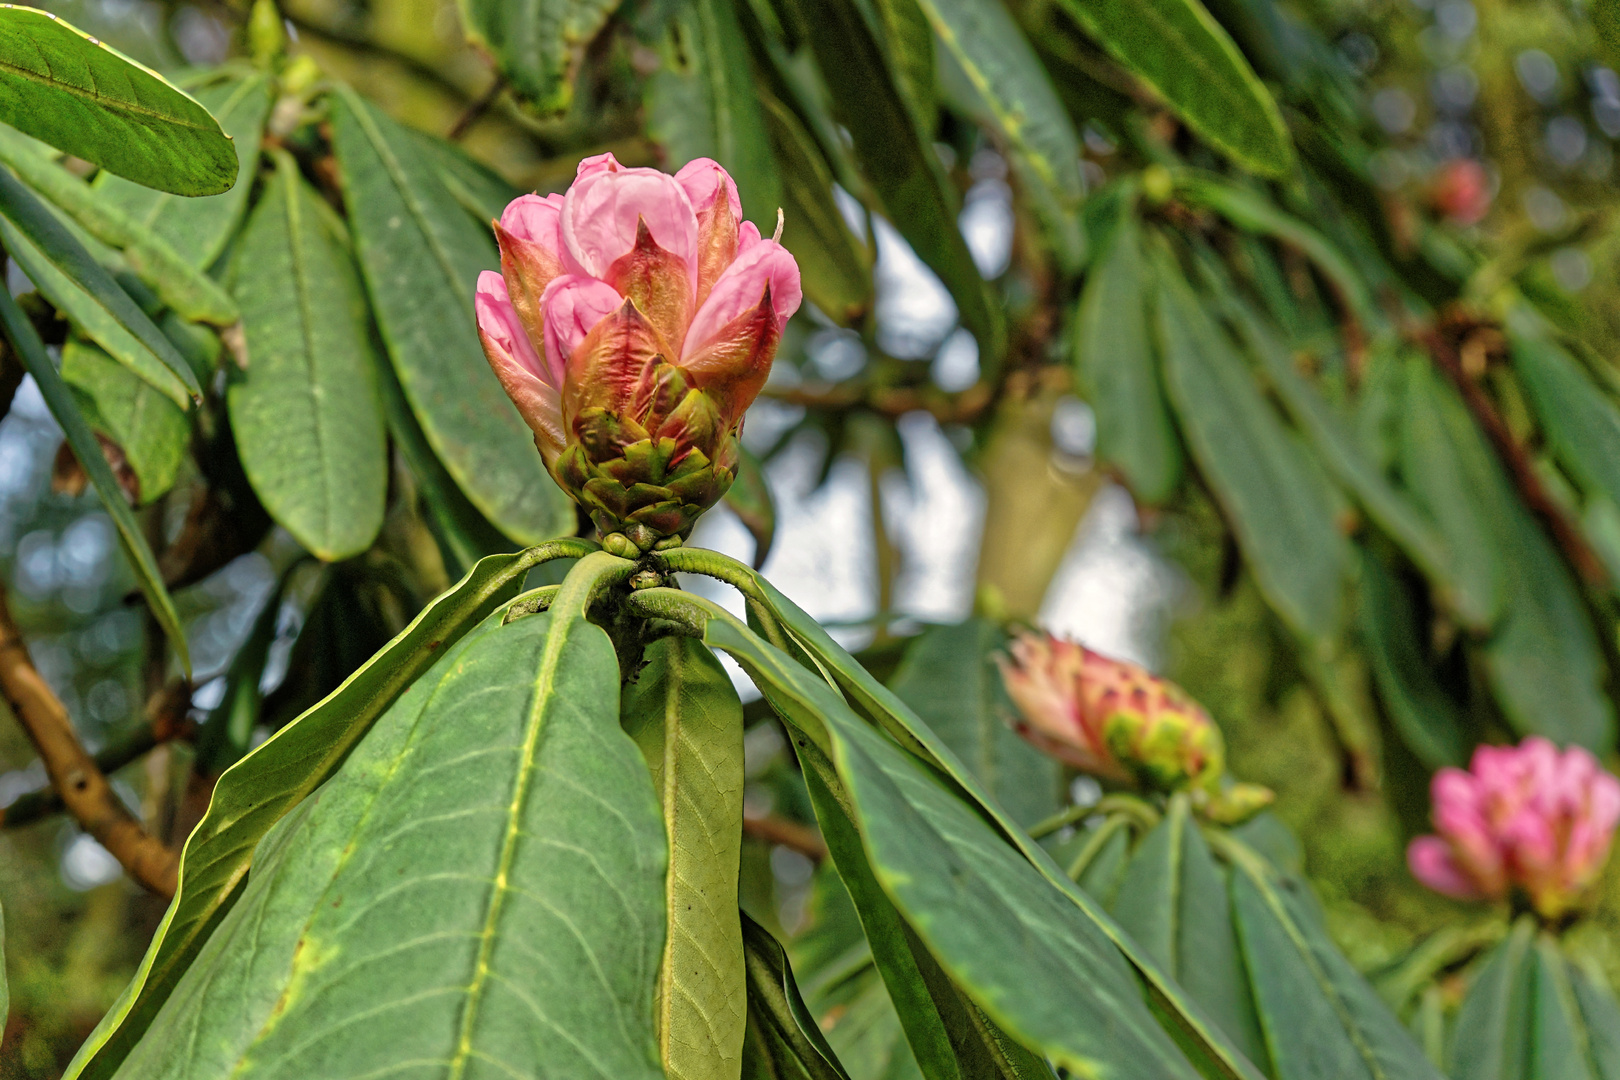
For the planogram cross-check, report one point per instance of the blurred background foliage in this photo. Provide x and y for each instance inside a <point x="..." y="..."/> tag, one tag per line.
<point x="1310" y="408"/>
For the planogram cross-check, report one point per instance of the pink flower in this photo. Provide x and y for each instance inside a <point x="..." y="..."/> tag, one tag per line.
<point x="616" y="303"/>
<point x="1523" y="818"/>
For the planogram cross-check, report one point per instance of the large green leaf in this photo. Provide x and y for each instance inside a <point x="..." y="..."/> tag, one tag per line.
<point x="537" y="44"/>
<point x="1280" y="505"/>
<point x="1581" y="422"/>
<point x="479" y="887"/>
<point x="198" y="229"/>
<point x="280" y="773"/>
<point x="84" y="291"/>
<point x="1560" y="1040"/>
<point x="1117" y="368"/>
<point x="866" y="1034"/>
<point x="1419" y="707"/>
<point x="784" y="1041"/>
<point x="1602" y="1015"/>
<point x="1320" y="1019"/>
<point x="834" y="266"/>
<point x="898" y="163"/>
<point x="1174" y="901"/>
<point x="70" y="90"/>
<point x="703" y="103"/>
<point x="1021" y="950"/>
<point x="949" y="677"/>
<point x="1491" y="1038"/>
<point x="684" y="714"/>
<point x="306" y="414"/>
<point x="1177" y="48"/>
<point x="25" y="342"/>
<point x="148" y="427"/>
<point x="1004" y="83"/>
<point x="878" y="705"/>
<point x="421" y="256"/>
<point x="908" y="40"/>
<point x="177" y="283"/>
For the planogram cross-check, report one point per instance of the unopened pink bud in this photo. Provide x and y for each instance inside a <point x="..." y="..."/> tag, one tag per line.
<point x="1527" y="819"/>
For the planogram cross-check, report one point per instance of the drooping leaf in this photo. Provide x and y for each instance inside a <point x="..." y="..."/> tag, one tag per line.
<point x="684" y="714"/>
<point x="306" y="413"/>
<point x="1177" y="48"/>
<point x="420" y="256"/>
<point x="1491" y="1037"/>
<point x="1421" y="710"/>
<point x="1114" y="359"/>
<point x="536" y="44"/>
<point x="148" y="427"/>
<point x="703" y="103"/>
<point x="1173" y="899"/>
<point x="280" y="773"/>
<point x="82" y="289"/>
<point x="180" y="285"/>
<point x="198" y="229"/>
<point x="25" y="342"/>
<point x="480" y="886"/>
<point x="1319" y="1017"/>
<point x="834" y="265"/>
<point x="866" y="1034"/>
<point x="950" y="678"/>
<point x="1582" y="424"/>
<point x="900" y="165"/>
<point x="67" y="89"/>
<point x="1602" y="1015"/>
<point x="1560" y="1041"/>
<point x="784" y="1041"/>
<point x="1281" y="507"/>
<point x="482" y="192"/>
<point x="1002" y="82"/>
<point x="908" y="40"/>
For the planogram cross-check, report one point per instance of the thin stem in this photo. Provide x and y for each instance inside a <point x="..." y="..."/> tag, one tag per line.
<point x="681" y="610"/>
<point x="73" y="772"/>
<point x="1143" y="813"/>
<point x="745" y="580"/>
<point x="1068" y="816"/>
<point x="1093" y="846"/>
<point x="531" y="602"/>
<point x="475" y="112"/>
<point x="789" y="834"/>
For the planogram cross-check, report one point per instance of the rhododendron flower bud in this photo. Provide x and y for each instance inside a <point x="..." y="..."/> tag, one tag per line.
<point x="1115" y="720"/>
<point x="633" y="322"/>
<point x="1524" y="819"/>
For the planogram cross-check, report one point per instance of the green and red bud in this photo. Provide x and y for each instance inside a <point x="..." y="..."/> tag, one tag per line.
<point x="633" y="322"/>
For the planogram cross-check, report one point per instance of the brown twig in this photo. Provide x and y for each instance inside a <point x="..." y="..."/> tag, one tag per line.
<point x="789" y="834"/>
<point x="475" y="111"/>
<point x="1446" y="342"/>
<point x="73" y="772"/>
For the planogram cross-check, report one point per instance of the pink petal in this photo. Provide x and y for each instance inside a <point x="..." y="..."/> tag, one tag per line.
<point x="498" y="321"/>
<point x="572" y="306"/>
<point x="601" y="212"/>
<point x="535" y="217"/>
<point x="747" y="236"/>
<point x="702" y="179"/>
<point x="1430" y="861"/>
<point x="598" y="163"/>
<point x="511" y="356"/>
<point x="739" y="290"/>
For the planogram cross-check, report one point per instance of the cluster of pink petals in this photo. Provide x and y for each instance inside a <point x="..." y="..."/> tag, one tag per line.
<point x="1045" y="676"/>
<point x="1525" y="818"/>
<point x="672" y="248"/>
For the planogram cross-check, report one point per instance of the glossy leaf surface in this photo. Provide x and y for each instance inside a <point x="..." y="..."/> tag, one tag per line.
<point x="307" y="414"/>
<point x="150" y="429"/>
<point x="67" y="89"/>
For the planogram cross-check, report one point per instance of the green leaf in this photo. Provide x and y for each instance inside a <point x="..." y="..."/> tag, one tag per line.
<point x="1005" y="85"/>
<point x="1320" y="1018"/>
<point x="908" y="40"/>
<point x="5" y="990"/>
<point x="1022" y="951"/>
<point x="82" y="440"/>
<point x="684" y="714"/>
<point x="198" y="229"/>
<point x="1178" y="49"/>
<point x="1491" y="1037"/>
<point x="479" y="886"/>
<point x="307" y="414"/>
<point x="1174" y="901"/>
<point x="1602" y="1015"/>
<point x="70" y="90"/>
<point x="1559" y="1035"/>
<point x="900" y="165"/>
<point x="835" y="267"/>
<point x="784" y="1041"/>
<point x="949" y="676"/>
<point x="879" y="706"/>
<point x="537" y="44"/>
<point x="703" y="103"/>
<point x="83" y="289"/>
<point x="148" y="427"/>
<point x="1281" y="507"/>
<point x="1581" y="423"/>
<point x="177" y="283"/>
<point x="1418" y="706"/>
<point x="1115" y="363"/>
<point x="276" y="777"/>
<point x="482" y="192"/>
<point x="867" y="1035"/>
<point x="421" y="257"/>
